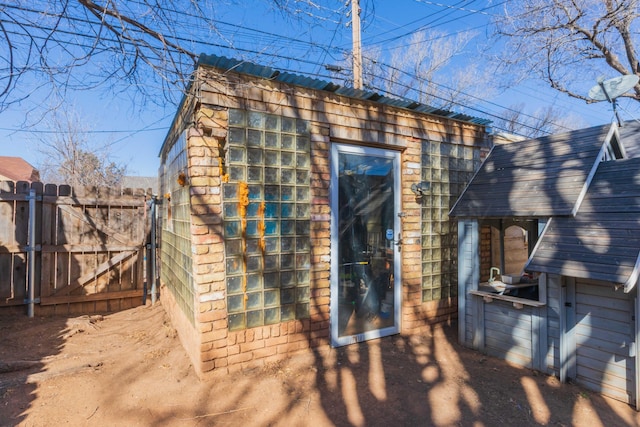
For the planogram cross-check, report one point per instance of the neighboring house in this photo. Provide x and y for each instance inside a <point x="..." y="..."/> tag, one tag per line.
<point x="298" y="214"/>
<point x="146" y="182"/>
<point x="17" y="169"/>
<point x="570" y="309"/>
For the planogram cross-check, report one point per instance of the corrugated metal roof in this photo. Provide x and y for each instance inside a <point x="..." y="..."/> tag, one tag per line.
<point x="237" y="66"/>
<point x="244" y="67"/>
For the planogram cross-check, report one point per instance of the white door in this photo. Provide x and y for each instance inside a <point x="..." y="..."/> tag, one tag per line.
<point x="365" y="243"/>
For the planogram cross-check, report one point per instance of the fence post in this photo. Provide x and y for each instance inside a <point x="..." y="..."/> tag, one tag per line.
<point x="154" y="290"/>
<point x="31" y="249"/>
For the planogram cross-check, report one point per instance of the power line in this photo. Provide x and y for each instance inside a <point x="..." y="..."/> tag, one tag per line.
<point x="427" y="26"/>
<point x="408" y="24"/>
<point x="87" y="132"/>
<point x="450" y="89"/>
<point x="287" y="41"/>
<point x="442" y="98"/>
<point x="250" y="32"/>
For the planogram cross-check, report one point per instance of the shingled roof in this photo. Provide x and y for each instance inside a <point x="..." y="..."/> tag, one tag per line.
<point x="592" y="206"/>
<point x="536" y="178"/>
<point x="17" y="169"/>
<point x="602" y="241"/>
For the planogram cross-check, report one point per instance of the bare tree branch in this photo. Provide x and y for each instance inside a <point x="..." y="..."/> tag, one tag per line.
<point x="568" y="43"/>
<point x="68" y="156"/>
<point x="414" y="70"/>
<point x="144" y="48"/>
<point x="543" y="121"/>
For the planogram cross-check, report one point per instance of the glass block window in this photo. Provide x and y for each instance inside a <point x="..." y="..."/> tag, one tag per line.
<point x="175" y="258"/>
<point x="448" y="167"/>
<point x="267" y="219"/>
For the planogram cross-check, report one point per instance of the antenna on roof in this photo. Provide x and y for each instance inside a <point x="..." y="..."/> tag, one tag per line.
<point x="609" y="90"/>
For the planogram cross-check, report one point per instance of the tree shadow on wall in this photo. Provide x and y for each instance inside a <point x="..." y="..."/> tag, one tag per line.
<point x="429" y="379"/>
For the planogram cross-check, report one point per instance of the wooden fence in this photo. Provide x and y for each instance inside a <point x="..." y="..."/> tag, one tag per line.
<point x="89" y="251"/>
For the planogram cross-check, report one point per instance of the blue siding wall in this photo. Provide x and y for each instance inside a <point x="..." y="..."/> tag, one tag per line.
<point x="509" y="333"/>
<point x="604" y="334"/>
<point x="468" y="277"/>
<point x="554" y="289"/>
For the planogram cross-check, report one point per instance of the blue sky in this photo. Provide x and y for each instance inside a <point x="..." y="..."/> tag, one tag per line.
<point x="136" y="132"/>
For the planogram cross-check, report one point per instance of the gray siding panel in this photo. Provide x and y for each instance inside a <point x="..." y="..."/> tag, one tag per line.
<point x="508" y="332"/>
<point x="604" y="334"/>
<point x="468" y="278"/>
<point x="554" y="286"/>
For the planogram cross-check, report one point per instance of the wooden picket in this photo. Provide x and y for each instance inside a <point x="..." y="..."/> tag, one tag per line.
<point x="90" y="247"/>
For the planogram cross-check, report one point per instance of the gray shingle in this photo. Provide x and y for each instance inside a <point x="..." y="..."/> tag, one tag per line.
<point x="539" y="177"/>
<point x="602" y="242"/>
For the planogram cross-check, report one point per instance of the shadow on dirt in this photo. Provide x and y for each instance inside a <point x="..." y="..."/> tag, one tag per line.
<point x="131" y="369"/>
<point x="26" y="344"/>
<point x="432" y="380"/>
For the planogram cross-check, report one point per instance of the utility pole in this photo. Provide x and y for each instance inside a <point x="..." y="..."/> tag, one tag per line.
<point x="357" y="44"/>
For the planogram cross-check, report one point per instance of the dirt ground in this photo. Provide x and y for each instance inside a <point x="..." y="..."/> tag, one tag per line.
<point x="129" y="369"/>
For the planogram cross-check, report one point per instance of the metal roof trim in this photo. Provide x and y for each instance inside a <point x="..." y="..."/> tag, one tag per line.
<point x="262" y="71"/>
<point x="354" y="93"/>
<point x="305" y="81"/>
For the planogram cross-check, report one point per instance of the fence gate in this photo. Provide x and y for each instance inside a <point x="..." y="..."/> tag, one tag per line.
<point x="89" y="252"/>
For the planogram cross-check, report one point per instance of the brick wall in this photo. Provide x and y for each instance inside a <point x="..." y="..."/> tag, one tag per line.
<point x="320" y="237"/>
<point x="213" y="348"/>
<point x="485" y="252"/>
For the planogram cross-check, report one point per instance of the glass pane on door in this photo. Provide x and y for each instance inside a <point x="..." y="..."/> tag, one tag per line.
<point x="365" y="233"/>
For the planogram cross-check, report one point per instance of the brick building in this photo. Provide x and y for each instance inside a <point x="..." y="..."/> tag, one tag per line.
<point x="300" y="215"/>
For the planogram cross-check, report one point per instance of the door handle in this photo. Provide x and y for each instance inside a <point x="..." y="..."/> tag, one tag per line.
<point x="399" y="242"/>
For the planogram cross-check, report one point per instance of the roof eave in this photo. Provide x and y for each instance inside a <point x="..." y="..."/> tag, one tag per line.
<point x="594" y="169"/>
<point x="453" y="208"/>
<point x="538" y="242"/>
<point x="633" y="278"/>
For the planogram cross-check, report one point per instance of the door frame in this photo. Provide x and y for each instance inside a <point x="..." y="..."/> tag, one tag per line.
<point x="395" y="155"/>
